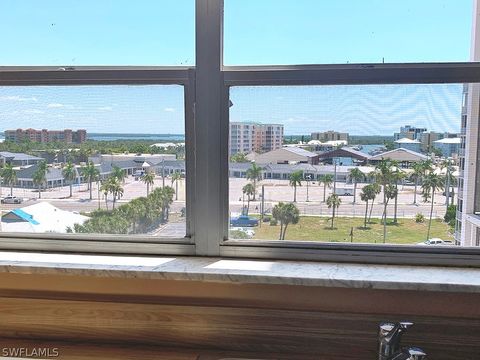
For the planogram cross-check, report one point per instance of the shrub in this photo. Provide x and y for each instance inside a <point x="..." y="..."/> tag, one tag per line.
<point x="450" y="215"/>
<point x="419" y="218"/>
<point x="273" y="222"/>
<point x="238" y="234"/>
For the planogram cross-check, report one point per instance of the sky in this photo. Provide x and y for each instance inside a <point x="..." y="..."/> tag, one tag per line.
<point x="257" y="32"/>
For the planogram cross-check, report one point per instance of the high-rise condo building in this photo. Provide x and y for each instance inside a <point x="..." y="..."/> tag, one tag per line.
<point x="246" y="137"/>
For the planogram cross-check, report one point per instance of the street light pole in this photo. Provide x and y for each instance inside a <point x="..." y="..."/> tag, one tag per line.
<point x="335" y="177"/>
<point x="308" y="181"/>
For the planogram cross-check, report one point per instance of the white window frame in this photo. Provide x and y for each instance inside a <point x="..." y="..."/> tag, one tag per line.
<point x="207" y="131"/>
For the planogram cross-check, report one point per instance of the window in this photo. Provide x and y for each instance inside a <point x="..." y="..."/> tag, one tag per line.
<point x="112" y="32"/>
<point x="93" y="159"/>
<point x="221" y="118"/>
<point x="339" y="32"/>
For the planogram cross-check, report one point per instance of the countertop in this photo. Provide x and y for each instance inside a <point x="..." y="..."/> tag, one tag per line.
<point x="343" y="275"/>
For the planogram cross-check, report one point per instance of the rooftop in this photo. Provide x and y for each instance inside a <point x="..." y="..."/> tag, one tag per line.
<point x="456" y="140"/>
<point x="407" y="141"/>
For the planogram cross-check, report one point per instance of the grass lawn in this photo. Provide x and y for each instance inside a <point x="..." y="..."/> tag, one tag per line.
<point x="406" y="231"/>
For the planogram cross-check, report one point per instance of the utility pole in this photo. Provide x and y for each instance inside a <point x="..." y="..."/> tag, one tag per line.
<point x="262" y="205"/>
<point x="335" y="177"/>
<point x="308" y="181"/>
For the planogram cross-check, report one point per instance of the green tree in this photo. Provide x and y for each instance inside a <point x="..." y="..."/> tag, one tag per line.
<point x="450" y="215"/>
<point x="447" y="164"/>
<point x="432" y="182"/>
<point x="163" y="197"/>
<point x="248" y="190"/>
<point x="383" y="175"/>
<point x="416" y="175"/>
<point x="377" y="190"/>
<point x="239" y="158"/>
<point x="368" y="193"/>
<point x="327" y="181"/>
<point x="112" y="186"/>
<point x="119" y="173"/>
<point x="176" y="177"/>
<point x="40" y="176"/>
<point x="70" y="174"/>
<point x="356" y="175"/>
<point x="91" y="173"/>
<point x="333" y="202"/>
<point x="285" y="213"/>
<point x="295" y="179"/>
<point x="9" y="175"/>
<point x="148" y="179"/>
<point x="398" y="175"/>
<point x="254" y="174"/>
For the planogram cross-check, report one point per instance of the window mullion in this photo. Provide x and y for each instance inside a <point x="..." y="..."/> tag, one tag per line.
<point x="207" y="208"/>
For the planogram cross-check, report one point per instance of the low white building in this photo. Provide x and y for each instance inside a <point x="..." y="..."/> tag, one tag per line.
<point x="287" y="155"/>
<point x="42" y="217"/>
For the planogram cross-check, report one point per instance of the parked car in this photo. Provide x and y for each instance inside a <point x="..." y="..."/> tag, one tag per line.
<point x="435" y="242"/>
<point x="11" y="200"/>
<point x="243" y="221"/>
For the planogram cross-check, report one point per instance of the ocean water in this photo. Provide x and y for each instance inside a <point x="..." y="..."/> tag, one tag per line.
<point x="113" y="137"/>
<point x="151" y="137"/>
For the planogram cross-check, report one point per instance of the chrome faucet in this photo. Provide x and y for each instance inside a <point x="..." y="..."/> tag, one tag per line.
<point x="389" y="339"/>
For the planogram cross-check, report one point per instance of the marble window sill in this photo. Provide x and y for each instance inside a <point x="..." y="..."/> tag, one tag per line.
<point x="277" y="272"/>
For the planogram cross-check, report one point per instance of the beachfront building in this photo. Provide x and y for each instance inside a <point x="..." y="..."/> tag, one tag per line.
<point x="408" y="144"/>
<point x="330" y="135"/>
<point x="246" y="137"/>
<point x="46" y="136"/>
<point x="450" y="147"/>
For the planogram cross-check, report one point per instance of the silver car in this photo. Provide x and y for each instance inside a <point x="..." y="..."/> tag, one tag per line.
<point x="11" y="200"/>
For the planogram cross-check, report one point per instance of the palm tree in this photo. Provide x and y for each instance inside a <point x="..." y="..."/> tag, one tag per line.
<point x="91" y="173"/>
<point x="427" y="168"/>
<point x="383" y="175"/>
<point x="432" y="182"/>
<point x="295" y="179"/>
<point x="112" y="186"/>
<point x="248" y="190"/>
<point x="376" y="190"/>
<point x="40" y="176"/>
<point x="254" y="174"/>
<point x="176" y="176"/>
<point x="355" y="175"/>
<point x="285" y="213"/>
<point x="70" y="174"/>
<point x="368" y="193"/>
<point x="447" y="164"/>
<point x="418" y="172"/>
<point x="398" y="175"/>
<point x="333" y="202"/>
<point x="327" y="180"/>
<point x="163" y="197"/>
<point x="119" y="173"/>
<point x="148" y="179"/>
<point x="9" y="174"/>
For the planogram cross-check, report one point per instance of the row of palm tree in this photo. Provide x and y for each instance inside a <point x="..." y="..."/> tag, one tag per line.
<point x="137" y="216"/>
<point x="388" y="175"/>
